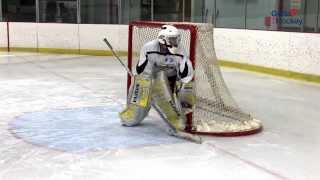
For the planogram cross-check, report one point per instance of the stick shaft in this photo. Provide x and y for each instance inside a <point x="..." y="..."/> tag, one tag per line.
<point x="117" y="57"/>
<point x="190" y="137"/>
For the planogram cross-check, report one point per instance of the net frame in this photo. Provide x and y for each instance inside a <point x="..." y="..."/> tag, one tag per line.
<point x="192" y="28"/>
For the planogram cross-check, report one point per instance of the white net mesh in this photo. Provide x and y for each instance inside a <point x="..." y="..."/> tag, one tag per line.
<point x="215" y="111"/>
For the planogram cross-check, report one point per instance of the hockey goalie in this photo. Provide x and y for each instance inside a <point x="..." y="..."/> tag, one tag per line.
<point x="163" y="80"/>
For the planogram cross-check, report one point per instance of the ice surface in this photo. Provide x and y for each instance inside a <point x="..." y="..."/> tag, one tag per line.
<point x="58" y="121"/>
<point x="85" y="129"/>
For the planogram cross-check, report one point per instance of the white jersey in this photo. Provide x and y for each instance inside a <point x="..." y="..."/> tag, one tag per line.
<point x="151" y="59"/>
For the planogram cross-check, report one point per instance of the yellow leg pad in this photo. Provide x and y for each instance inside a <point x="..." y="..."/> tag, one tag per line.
<point x="141" y="91"/>
<point x="128" y="114"/>
<point x="132" y="115"/>
<point x="171" y="116"/>
<point x="165" y="102"/>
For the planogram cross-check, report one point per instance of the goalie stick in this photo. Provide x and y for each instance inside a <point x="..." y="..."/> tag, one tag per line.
<point x="117" y="57"/>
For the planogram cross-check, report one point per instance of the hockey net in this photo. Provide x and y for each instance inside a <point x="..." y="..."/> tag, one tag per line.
<point x="215" y="111"/>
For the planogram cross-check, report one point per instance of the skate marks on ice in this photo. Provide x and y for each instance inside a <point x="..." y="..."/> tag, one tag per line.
<point x="85" y="129"/>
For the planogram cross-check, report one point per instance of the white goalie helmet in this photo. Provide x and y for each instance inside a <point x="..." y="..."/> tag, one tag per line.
<point x="170" y="36"/>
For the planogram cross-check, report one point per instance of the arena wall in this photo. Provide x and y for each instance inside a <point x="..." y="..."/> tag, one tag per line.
<point x="23" y="35"/>
<point x="91" y="36"/>
<point x="59" y="36"/>
<point x="299" y="52"/>
<point x="3" y="35"/>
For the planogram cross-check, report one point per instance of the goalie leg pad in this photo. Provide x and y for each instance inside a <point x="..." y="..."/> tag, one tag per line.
<point x="166" y="103"/>
<point x="132" y="115"/>
<point x="138" y="104"/>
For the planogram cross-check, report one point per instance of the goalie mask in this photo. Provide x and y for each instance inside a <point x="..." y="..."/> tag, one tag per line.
<point x="170" y="37"/>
